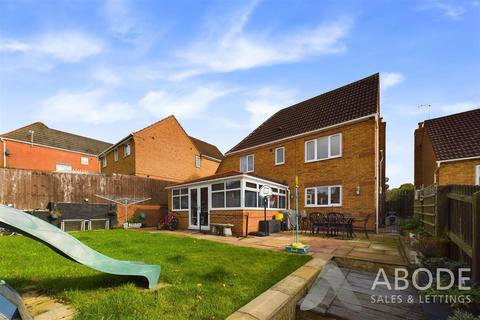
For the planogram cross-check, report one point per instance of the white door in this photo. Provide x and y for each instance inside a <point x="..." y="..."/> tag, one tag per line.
<point x="199" y="208"/>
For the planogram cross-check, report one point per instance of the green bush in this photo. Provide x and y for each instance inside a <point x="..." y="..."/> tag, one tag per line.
<point x="413" y="224"/>
<point x="462" y="315"/>
<point x="133" y="219"/>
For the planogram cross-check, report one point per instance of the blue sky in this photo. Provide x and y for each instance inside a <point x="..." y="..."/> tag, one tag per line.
<point x="105" y="69"/>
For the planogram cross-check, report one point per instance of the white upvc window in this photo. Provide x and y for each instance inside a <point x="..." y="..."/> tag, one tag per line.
<point x="198" y="161"/>
<point x="104" y="161"/>
<point x="115" y="154"/>
<point x="226" y="194"/>
<point x="84" y="161"/>
<point x="279" y="155"/>
<point x="323" y="196"/>
<point x="252" y="200"/>
<point x="63" y="167"/>
<point x="126" y="149"/>
<point x="180" y="199"/>
<point x="323" y="148"/>
<point x="477" y="175"/>
<point x="247" y="163"/>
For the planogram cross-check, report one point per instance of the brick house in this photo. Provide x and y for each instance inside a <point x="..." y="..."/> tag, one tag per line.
<point x="162" y="151"/>
<point x="447" y="150"/>
<point x="334" y="143"/>
<point x="38" y="147"/>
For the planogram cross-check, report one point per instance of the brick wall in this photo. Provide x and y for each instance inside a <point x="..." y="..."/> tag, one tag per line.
<point x="124" y="165"/>
<point x="425" y="160"/>
<point x="162" y="151"/>
<point x="355" y="168"/>
<point x="457" y="172"/>
<point x="33" y="157"/>
<point x="154" y="213"/>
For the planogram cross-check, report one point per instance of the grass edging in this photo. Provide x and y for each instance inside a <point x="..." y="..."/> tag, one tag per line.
<point x="279" y="302"/>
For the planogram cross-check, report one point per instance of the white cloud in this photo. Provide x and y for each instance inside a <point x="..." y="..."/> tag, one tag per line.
<point x="106" y="75"/>
<point x="229" y="47"/>
<point x="458" y="107"/>
<point x="182" y="103"/>
<point x="390" y="79"/>
<point x="450" y="9"/>
<point x="266" y="102"/>
<point x="88" y="107"/>
<point x="122" y="22"/>
<point x="66" y="46"/>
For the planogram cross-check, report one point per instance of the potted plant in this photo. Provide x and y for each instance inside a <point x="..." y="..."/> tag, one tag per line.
<point x="132" y="223"/>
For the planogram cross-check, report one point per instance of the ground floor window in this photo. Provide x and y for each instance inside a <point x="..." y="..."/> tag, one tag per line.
<point x="226" y="194"/>
<point x="323" y="196"/>
<point x="63" y="167"/>
<point x="253" y="200"/>
<point x="180" y="199"/>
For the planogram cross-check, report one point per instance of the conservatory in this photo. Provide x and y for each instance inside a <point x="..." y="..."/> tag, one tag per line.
<point x="231" y="197"/>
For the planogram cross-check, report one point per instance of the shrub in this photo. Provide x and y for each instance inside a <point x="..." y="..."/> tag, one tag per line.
<point x="413" y="224"/>
<point x="133" y="219"/>
<point x="462" y="315"/>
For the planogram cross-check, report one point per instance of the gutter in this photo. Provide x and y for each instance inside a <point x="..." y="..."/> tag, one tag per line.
<point x="459" y="159"/>
<point x="210" y="158"/>
<point x="115" y="145"/>
<point x="4" y="152"/>
<point x="377" y="171"/>
<point x="241" y="175"/>
<point x="306" y="133"/>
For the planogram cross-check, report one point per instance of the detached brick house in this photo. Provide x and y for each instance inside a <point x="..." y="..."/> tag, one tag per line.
<point x="38" y="147"/>
<point x="334" y="143"/>
<point x="162" y="151"/>
<point x="447" y="150"/>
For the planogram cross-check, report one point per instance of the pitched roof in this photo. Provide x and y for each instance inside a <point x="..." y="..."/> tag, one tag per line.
<point x="46" y="136"/>
<point x="207" y="149"/>
<point x="455" y="136"/>
<point x="232" y="173"/>
<point x="352" y="101"/>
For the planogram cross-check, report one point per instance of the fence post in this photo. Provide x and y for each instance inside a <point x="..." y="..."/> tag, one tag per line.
<point x="476" y="237"/>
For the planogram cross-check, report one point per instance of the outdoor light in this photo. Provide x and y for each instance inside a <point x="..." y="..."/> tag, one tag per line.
<point x="357" y="190"/>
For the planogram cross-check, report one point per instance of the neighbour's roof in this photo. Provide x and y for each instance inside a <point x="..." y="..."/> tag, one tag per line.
<point x="226" y="174"/>
<point x="455" y="136"/>
<point x="46" y="136"/>
<point x="355" y="100"/>
<point x="207" y="149"/>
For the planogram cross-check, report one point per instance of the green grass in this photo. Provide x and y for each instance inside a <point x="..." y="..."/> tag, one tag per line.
<point x="206" y="280"/>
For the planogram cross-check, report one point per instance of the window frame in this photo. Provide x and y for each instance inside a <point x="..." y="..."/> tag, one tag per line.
<point x="253" y="163"/>
<point x="477" y="175"/>
<point x="198" y="161"/>
<point x="280" y="192"/>
<point x="104" y="161"/>
<point x="115" y="154"/>
<point x="315" y="198"/>
<point x="224" y="191"/>
<point x="179" y="196"/>
<point x="84" y="160"/>
<point x="277" y="163"/>
<point x="64" y="165"/>
<point x="127" y="149"/>
<point x="315" y="146"/>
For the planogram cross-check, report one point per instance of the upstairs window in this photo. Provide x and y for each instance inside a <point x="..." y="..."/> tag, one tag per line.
<point x="197" y="161"/>
<point x="126" y="149"/>
<point x="104" y="161"/>
<point x="115" y="154"/>
<point x="324" y="196"/>
<point x="323" y="148"/>
<point x="280" y="156"/>
<point x="84" y="161"/>
<point x="180" y="199"/>
<point x="246" y="163"/>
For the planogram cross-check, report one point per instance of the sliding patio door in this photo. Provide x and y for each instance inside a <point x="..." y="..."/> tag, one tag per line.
<point x="199" y="208"/>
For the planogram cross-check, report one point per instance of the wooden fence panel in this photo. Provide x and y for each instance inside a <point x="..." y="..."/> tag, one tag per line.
<point x="28" y="190"/>
<point x="425" y="207"/>
<point x="476" y="237"/>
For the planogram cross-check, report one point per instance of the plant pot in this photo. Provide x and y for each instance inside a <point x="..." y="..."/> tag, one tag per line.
<point x="132" y="225"/>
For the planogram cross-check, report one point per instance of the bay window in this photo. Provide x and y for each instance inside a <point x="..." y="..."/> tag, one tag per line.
<point x="323" y="148"/>
<point x="323" y="196"/>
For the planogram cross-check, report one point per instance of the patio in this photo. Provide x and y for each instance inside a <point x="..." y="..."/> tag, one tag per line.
<point x="379" y="249"/>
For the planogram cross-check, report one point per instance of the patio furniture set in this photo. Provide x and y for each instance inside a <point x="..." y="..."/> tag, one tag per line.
<point x="334" y="224"/>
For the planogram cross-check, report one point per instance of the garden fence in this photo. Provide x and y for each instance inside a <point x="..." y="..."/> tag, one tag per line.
<point x="453" y="212"/>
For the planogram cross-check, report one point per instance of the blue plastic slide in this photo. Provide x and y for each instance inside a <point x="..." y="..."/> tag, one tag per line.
<point x="73" y="249"/>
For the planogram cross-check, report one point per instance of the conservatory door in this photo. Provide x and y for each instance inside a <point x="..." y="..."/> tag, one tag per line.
<point x="199" y="208"/>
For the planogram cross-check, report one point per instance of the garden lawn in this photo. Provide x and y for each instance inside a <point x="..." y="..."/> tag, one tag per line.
<point x="203" y="279"/>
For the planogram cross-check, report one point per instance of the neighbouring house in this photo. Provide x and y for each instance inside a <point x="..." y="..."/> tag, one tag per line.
<point x="38" y="147"/>
<point x="334" y="143"/>
<point x="447" y="150"/>
<point x="163" y="151"/>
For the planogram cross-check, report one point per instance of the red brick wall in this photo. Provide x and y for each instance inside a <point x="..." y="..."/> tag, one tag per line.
<point x="425" y="160"/>
<point x="154" y="214"/>
<point x="33" y="157"/>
